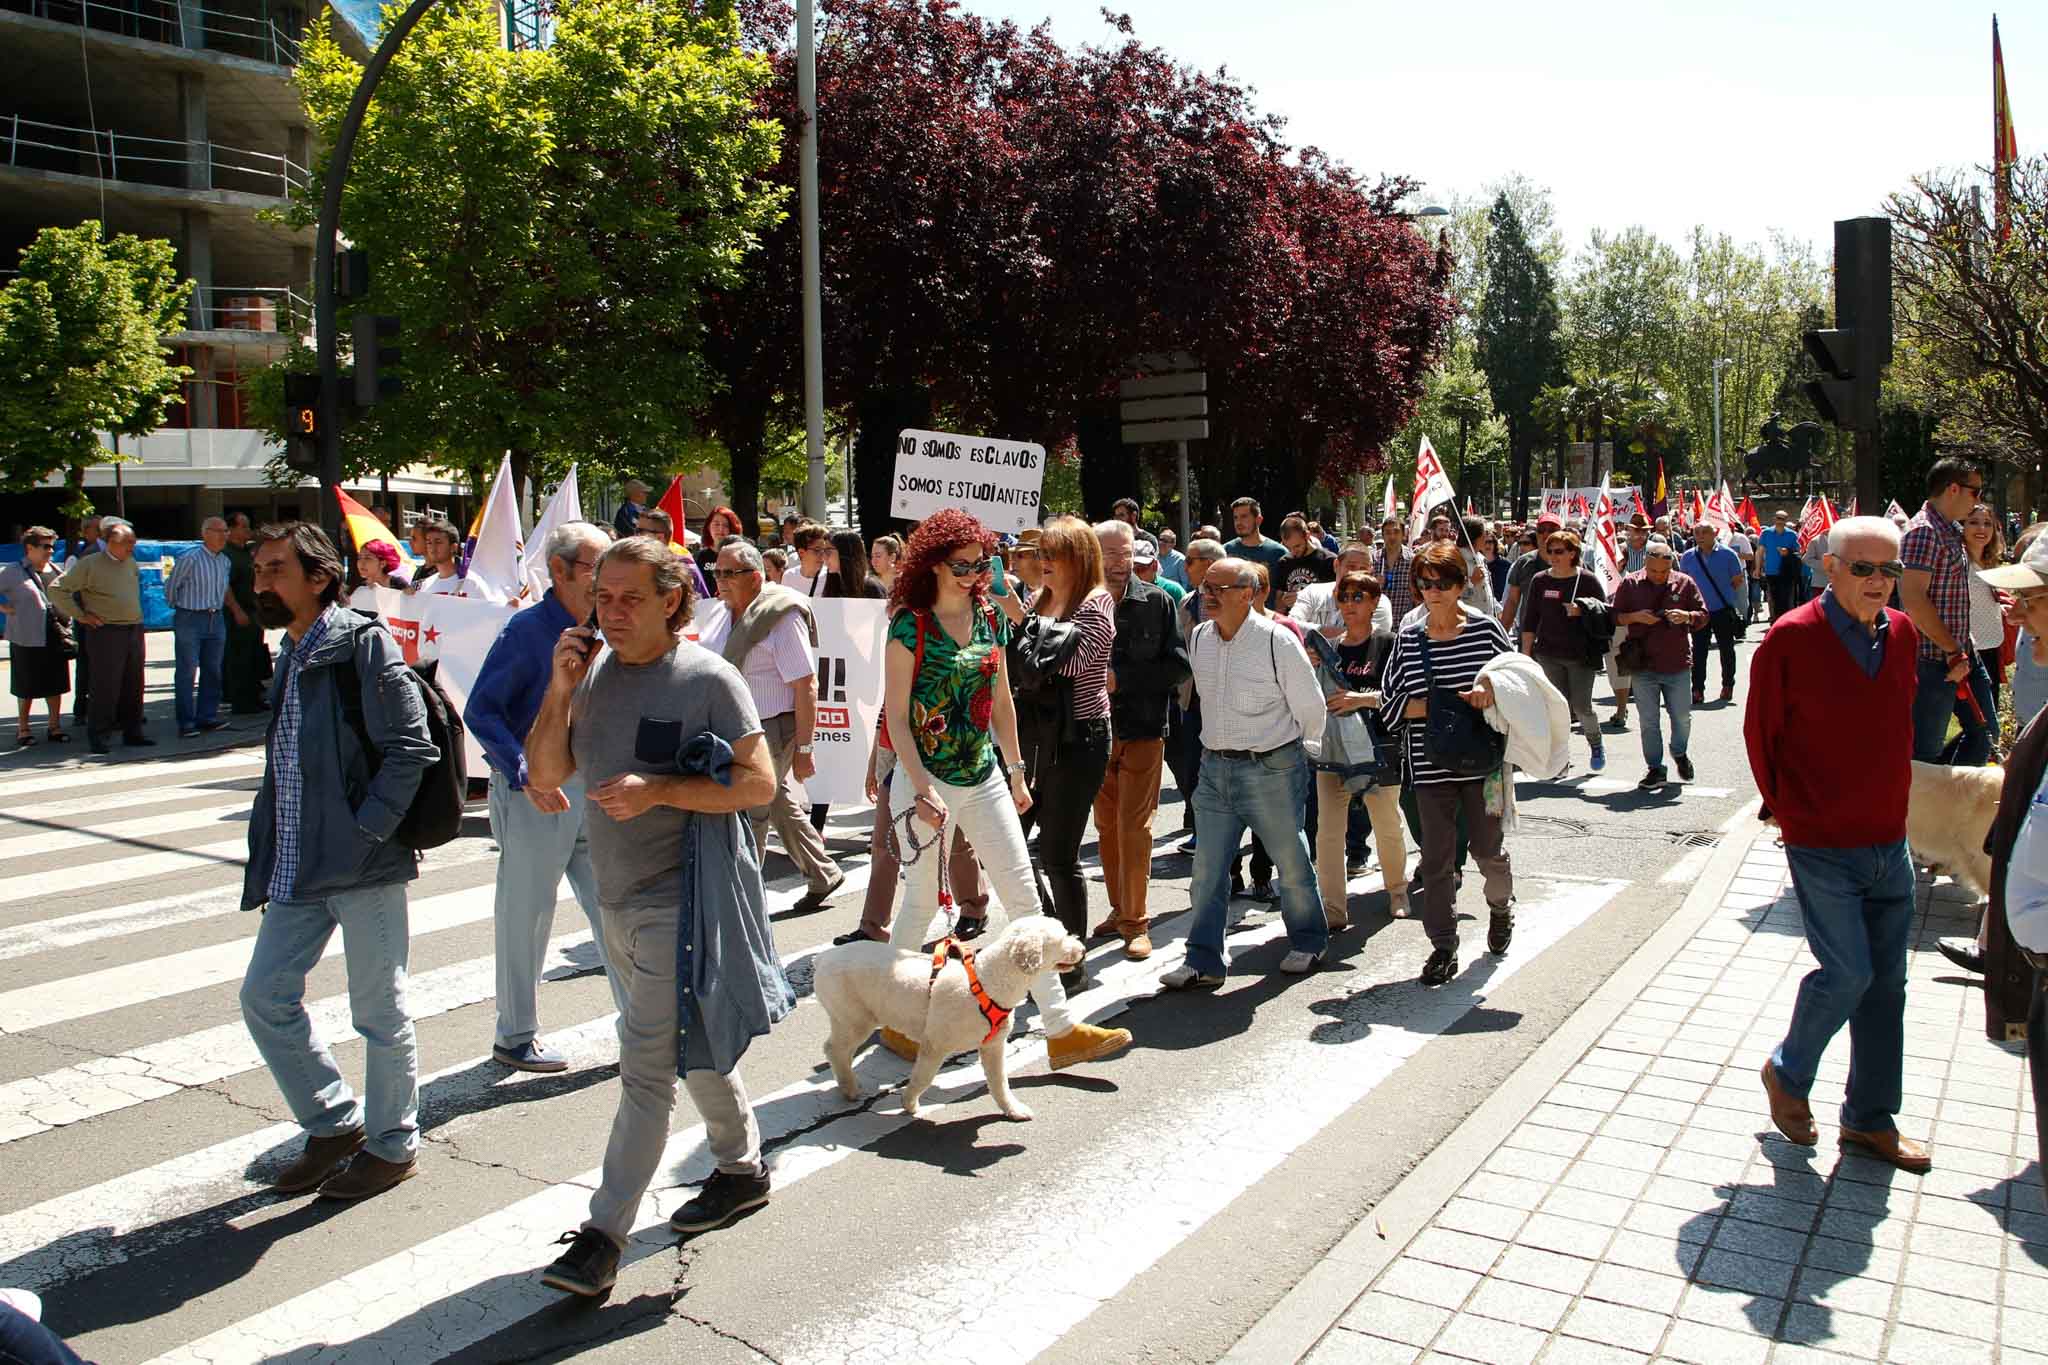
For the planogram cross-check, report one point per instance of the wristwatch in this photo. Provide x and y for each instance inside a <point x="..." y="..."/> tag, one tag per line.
<point x="805" y="748"/>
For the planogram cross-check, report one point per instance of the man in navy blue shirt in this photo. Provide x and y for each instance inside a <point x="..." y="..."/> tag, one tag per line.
<point x="539" y="830"/>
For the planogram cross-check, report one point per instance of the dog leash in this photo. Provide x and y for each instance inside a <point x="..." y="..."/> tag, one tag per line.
<point x="907" y="859"/>
<point x="951" y="946"/>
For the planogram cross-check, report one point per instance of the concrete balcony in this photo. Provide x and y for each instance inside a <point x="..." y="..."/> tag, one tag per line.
<point x="106" y="154"/>
<point x="257" y="33"/>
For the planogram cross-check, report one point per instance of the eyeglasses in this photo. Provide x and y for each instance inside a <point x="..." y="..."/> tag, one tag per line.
<point x="1435" y="585"/>
<point x="968" y="568"/>
<point x="733" y="573"/>
<point x="1863" y="568"/>
<point x="2029" y="600"/>
<point x="1212" y="591"/>
<point x="1974" y="488"/>
<point x="1354" y="597"/>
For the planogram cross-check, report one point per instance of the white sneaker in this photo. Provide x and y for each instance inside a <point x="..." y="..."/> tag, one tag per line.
<point x="1298" y="963"/>
<point x="23" y="1302"/>
<point x="1184" y="978"/>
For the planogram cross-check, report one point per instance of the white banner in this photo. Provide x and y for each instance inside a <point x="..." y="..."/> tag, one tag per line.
<point x="1578" y="504"/>
<point x="997" y="482"/>
<point x="1606" y="550"/>
<point x="459" y="631"/>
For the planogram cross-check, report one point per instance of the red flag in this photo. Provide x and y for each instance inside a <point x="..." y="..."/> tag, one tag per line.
<point x="1468" y="506"/>
<point x="2005" y="147"/>
<point x="1746" y="514"/>
<point x="1815" y="520"/>
<point x="672" y="503"/>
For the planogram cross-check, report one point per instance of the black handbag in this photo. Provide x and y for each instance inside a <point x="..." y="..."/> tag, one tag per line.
<point x="1455" y="736"/>
<point x="58" y="634"/>
<point x="1634" y="654"/>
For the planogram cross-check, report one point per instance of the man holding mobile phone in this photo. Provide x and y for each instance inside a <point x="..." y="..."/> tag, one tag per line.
<point x="539" y="829"/>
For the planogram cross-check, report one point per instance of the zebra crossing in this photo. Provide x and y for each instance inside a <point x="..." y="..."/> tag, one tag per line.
<point x="140" y="1128"/>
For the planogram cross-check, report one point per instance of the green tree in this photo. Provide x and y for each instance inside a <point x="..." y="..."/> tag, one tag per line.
<point x="1969" y="311"/>
<point x="547" y="225"/>
<point x="82" y="351"/>
<point x="1517" y="334"/>
<point x="1623" y="306"/>
<point x="1595" y="402"/>
<point x="1464" y="400"/>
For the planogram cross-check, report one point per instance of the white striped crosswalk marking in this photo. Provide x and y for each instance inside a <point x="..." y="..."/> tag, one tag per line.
<point x="135" y="776"/>
<point x="224" y="855"/>
<point x="225" y="818"/>
<point x="229" y="790"/>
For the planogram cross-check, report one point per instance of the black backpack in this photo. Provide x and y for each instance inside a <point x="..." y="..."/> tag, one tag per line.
<point x="435" y="816"/>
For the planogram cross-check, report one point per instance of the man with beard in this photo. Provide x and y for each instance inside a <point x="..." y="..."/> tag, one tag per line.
<point x="322" y="856"/>
<point x="245" y="663"/>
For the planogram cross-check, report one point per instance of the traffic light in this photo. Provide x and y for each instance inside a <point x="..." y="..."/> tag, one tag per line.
<point x="374" y="355"/>
<point x="302" y="422"/>
<point x="1853" y="353"/>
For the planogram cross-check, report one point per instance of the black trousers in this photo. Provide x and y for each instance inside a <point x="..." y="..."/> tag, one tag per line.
<point x="1069" y="774"/>
<point x="116" y="654"/>
<point x="1784" y="587"/>
<point x="1184" y="756"/>
<point x="1723" y="626"/>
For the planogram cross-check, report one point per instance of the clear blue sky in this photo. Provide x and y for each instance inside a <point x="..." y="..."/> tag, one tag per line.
<point x="1741" y="115"/>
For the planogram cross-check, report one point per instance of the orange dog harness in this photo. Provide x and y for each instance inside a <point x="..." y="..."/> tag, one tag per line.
<point x="996" y="1015"/>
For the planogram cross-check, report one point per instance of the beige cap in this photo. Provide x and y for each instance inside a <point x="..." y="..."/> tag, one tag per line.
<point x="2030" y="572"/>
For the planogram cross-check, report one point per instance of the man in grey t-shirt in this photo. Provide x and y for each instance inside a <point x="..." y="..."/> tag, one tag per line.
<point x="620" y="720"/>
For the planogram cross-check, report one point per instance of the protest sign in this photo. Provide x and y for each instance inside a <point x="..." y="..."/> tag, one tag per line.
<point x="998" y="482"/>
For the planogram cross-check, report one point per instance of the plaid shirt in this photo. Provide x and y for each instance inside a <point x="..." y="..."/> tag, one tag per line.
<point x="1935" y="544"/>
<point x="1395" y="579"/>
<point x="284" y="757"/>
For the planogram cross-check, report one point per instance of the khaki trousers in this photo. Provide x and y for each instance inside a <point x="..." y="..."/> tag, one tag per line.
<point x="1123" y="828"/>
<point x="803" y="844"/>
<point x="1383" y="804"/>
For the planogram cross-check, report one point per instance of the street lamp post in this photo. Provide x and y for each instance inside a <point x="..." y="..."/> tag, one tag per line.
<point x="807" y="213"/>
<point x="1719" y="365"/>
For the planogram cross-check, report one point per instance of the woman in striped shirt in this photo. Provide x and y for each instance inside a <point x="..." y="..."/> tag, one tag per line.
<point x="1460" y="645"/>
<point x="1072" y="750"/>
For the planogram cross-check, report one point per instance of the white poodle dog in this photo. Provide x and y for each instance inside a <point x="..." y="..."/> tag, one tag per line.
<point x="1948" y="813"/>
<point x="862" y="985"/>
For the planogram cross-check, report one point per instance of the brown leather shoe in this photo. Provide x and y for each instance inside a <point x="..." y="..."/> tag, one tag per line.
<point x="1106" y="929"/>
<point x="367" y="1175"/>
<point x="1138" y="946"/>
<point x="1085" y="1043"/>
<point x="1902" y="1152"/>
<point x="323" y="1157"/>
<point x="1792" y="1115"/>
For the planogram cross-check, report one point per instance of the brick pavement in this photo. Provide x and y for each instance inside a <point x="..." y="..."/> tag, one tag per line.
<point x="1646" y="1209"/>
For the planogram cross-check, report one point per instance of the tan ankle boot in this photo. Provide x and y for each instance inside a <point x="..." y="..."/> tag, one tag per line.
<point x="902" y="1044"/>
<point x="1085" y="1043"/>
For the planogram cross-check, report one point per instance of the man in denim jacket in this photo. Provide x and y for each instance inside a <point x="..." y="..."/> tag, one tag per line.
<point x="322" y="856"/>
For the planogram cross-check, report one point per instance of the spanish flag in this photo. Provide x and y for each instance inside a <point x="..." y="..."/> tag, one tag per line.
<point x="1660" y="504"/>
<point x="2005" y="147"/>
<point x="364" y="528"/>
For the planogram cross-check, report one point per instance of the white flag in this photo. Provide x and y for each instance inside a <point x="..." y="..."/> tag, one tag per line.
<point x="564" y="506"/>
<point x="1606" y="550"/>
<point x="1389" y="509"/>
<point x="1432" y="490"/>
<point x="494" y="572"/>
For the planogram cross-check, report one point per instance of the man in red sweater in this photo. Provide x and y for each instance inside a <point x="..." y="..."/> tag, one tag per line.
<point x="1830" y="731"/>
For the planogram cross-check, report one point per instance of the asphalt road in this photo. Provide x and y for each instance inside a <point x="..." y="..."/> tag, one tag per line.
<point x="1157" y="1206"/>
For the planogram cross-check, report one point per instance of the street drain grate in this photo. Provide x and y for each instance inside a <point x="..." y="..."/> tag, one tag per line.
<point x="1696" y="839"/>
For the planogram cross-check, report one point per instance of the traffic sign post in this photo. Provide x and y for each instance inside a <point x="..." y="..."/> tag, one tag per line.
<point x="1167" y="401"/>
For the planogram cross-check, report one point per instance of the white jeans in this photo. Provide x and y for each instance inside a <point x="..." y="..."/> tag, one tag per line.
<point x="989" y="818"/>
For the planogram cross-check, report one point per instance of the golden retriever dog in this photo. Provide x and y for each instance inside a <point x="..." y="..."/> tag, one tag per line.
<point x="1948" y="813"/>
<point x="862" y="985"/>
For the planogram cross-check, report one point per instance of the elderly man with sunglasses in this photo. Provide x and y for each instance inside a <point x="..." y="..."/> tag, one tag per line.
<point x="1936" y="594"/>
<point x="1829" y="731"/>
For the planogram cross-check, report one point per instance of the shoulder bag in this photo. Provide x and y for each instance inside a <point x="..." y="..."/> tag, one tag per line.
<point x="1455" y="736"/>
<point x="1634" y="654"/>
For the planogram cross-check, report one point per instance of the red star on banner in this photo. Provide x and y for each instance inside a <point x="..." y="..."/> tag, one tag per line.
<point x="433" y="634"/>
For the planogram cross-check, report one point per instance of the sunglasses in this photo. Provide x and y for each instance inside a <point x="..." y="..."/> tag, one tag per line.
<point x="733" y="573"/>
<point x="969" y="568"/>
<point x="1354" y="597"/>
<point x="1214" y="591"/>
<point x="1434" y="584"/>
<point x="1863" y="568"/>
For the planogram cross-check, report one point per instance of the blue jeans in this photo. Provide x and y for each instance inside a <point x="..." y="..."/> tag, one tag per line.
<point x="199" y="637"/>
<point x="1655" y="694"/>
<point x="535" y="851"/>
<point x="1269" y="796"/>
<point x="1935" y="700"/>
<point x="1857" y="905"/>
<point x="375" y="943"/>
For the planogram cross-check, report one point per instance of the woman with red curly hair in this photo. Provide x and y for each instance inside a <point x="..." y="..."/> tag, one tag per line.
<point x="953" y="725"/>
<point x="719" y="523"/>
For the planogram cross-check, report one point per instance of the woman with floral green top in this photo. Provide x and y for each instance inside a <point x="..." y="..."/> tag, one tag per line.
<point x="952" y="723"/>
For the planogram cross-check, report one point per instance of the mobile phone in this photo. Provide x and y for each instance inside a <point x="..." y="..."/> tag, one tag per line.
<point x="596" y="640"/>
<point x="1001" y="587"/>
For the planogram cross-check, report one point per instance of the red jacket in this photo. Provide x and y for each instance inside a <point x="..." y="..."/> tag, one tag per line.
<point x="1832" y="750"/>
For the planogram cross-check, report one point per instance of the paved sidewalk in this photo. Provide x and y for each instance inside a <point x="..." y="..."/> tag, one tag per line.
<point x="1642" y="1206"/>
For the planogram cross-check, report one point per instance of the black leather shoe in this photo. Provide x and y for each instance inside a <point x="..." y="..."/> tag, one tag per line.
<point x="1500" y="932"/>
<point x="138" y="741"/>
<point x="588" y="1268"/>
<point x="1441" y="967"/>
<point x="1963" y="952"/>
<point x="1684" y="767"/>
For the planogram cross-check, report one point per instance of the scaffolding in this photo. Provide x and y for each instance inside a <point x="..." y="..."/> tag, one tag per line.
<point x="529" y="24"/>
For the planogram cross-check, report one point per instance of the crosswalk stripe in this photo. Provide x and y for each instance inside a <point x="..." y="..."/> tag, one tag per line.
<point x="1122" y="1208"/>
<point x="221" y="855"/>
<point x="103" y="812"/>
<point x="153" y="827"/>
<point x="142" y="775"/>
<point x="102" y="1085"/>
<point x="474" y="1281"/>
